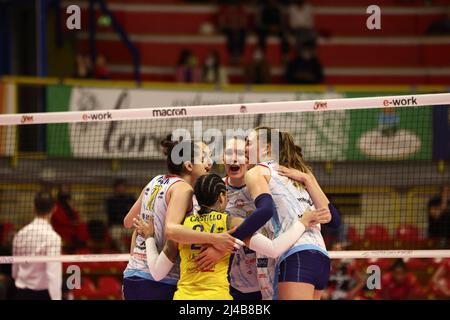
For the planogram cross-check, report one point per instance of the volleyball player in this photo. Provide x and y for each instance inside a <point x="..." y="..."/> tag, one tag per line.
<point x="164" y="194"/>
<point x="303" y="271"/>
<point x="210" y="191"/>
<point x="244" y="283"/>
<point x="247" y="282"/>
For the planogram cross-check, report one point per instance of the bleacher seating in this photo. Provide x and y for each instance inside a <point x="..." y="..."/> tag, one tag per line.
<point x="399" y="53"/>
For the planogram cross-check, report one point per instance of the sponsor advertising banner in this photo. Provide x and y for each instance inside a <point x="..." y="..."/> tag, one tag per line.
<point x="391" y="132"/>
<point x="325" y="133"/>
<point x="387" y="133"/>
<point x="7" y="133"/>
<point x="441" y="133"/>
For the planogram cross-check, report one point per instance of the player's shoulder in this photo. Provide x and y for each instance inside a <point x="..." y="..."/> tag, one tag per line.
<point x="259" y="169"/>
<point x="181" y="186"/>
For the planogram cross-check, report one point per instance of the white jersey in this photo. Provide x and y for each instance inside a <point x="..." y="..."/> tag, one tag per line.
<point x="243" y="273"/>
<point x="290" y="203"/>
<point x="153" y="205"/>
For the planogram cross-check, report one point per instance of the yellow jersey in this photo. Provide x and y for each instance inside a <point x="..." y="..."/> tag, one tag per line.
<point x="197" y="284"/>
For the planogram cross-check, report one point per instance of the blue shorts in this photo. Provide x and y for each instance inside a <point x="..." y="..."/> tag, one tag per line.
<point x="136" y="288"/>
<point x="308" y="266"/>
<point x="237" y="295"/>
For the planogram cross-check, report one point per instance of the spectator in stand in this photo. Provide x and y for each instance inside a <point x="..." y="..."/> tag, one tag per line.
<point x="305" y="67"/>
<point x="440" y="282"/>
<point x="187" y="68"/>
<point x="346" y="280"/>
<point x="399" y="283"/>
<point x="66" y="219"/>
<point x="258" y="70"/>
<point x="441" y="27"/>
<point x="233" y="22"/>
<point x="84" y="66"/>
<point x="301" y="22"/>
<point x="213" y="72"/>
<point x="117" y="206"/>
<point x="439" y="216"/>
<point x="270" y="21"/>
<point x="101" y="69"/>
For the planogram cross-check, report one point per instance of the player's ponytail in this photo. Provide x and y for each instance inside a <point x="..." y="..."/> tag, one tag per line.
<point x="207" y="190"/>
<point x="291" y="155"/>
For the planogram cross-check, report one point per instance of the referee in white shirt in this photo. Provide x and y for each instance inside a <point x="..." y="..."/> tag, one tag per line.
<point x="38" y="281"/>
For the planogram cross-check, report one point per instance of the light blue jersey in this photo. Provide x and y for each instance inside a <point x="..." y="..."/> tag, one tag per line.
<point x="153" y="205"/>
<point x="290" y="203"/>
<point x="243" y="273"/>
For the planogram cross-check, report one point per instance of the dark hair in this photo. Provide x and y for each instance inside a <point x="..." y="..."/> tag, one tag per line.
<point x="184" y="56"/>
<point x="433" y="203"/>
<point x="398" y="264"/>
<point x="182" y="146"/>
<point x="119" y="182"/>
<point x="43" y="203"/>
<point x="207" y="190"/>
<point x="167" y="141"/>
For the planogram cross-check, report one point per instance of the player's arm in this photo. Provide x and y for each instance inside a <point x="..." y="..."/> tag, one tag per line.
<point x="180" y="202"/>
<point x="133" y="213"/>
<point x="276" y="247"/>
<point x="265" y="206"/>
<point x="315" y="191"/>
<point x="133" y="241"/>
<point x="159" y="264"/>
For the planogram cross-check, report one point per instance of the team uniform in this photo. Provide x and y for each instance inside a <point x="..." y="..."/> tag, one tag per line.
<point x="307" y="260"/>
<point x="197" y="284"/>
<point x="138" y="282"/>
<point x="244" y="283"/>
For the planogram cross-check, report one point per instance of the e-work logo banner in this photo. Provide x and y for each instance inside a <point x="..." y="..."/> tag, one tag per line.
<point x="323" y="135"/>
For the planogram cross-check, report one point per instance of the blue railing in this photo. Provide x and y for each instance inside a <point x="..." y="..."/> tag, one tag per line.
<point x="119" y="29"/>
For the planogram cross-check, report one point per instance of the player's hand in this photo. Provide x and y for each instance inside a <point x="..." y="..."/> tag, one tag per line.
<point x="313" y="217"/>
<point x="225" y="242"/>
<point x="294" y="174"/>
<point x="146" y="229"/>
<point x="208" y="258"/>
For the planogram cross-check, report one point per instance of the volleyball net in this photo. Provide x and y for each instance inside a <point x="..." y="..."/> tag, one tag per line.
<point x="382" y="161"/>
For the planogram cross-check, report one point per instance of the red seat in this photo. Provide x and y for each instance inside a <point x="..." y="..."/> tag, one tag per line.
<point x="407" y="233"/>
<point x="415" y="264"/>
<point x="87" y="290"/>
<point x="376" y="232"/>
<point x="83" y="232"/>
<point x="96" y="267"/>
<point x="383" y="263"/>
<point x="109" y="287"/>
<point x="352" y="234"/>
<point x="83" y="251"/>
<point x="5" y="230"/>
